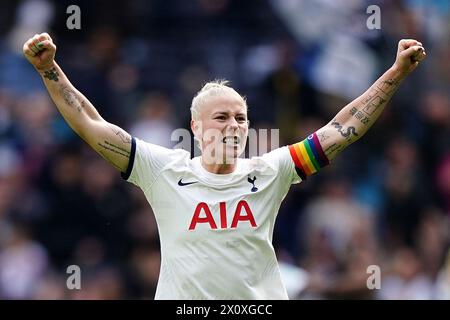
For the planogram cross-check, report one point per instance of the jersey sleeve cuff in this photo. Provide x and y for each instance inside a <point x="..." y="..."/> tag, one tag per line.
<point x="125" y="175"/>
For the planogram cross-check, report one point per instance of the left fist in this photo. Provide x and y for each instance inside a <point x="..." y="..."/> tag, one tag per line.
<point x="409" y="54"/>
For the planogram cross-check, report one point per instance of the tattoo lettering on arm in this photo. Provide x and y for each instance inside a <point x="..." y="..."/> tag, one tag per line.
<point x="115" y="149"/>
<point x="71" y="99"/>
<point x="52" y="74"/>
<point x="333" y="149"/>
<point x="359" y="115"/>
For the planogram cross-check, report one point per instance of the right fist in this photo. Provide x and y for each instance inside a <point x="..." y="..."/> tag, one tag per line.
<point x="40" y="51"/>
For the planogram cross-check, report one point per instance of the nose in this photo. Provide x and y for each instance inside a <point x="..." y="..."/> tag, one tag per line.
<point x="233" y="124"/>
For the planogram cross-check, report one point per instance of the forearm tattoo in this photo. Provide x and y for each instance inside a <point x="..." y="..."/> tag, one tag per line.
<point x="72" y="99"/>
<point x="52" y="74"/>
<point x="377" y="97"/>
<point x="347" y="133"/>
<point x="322" y="136"/>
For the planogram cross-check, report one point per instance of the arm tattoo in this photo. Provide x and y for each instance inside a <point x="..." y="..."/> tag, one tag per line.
<point x="374" y="99"/>
<point x="379" y="95"/>
<point x="359" y="115"/>
<point x="345" y="133"/>
<point x="115" y="149"/>
<point x="124" y="137"/>
<point x="373" y="105"/>
<point x="333" y="148"/>
<point x="71" y="98"/>
<point x="52" y="74"/>
<point x="322" y="136"/>
<point x="389" y="86"/>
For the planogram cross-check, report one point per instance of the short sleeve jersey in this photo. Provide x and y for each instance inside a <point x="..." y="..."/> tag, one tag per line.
<point x="215" y="229"/>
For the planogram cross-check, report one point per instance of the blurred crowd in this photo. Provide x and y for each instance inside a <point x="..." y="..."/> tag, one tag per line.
<point x="385" y="201"/>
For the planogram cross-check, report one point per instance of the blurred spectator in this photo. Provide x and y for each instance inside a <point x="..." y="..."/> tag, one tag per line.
<point x="432" y="240"/>
<point x="51" y="286"/>
<point x="144" y="271"/>
<point x="341" y="244"/>
<point x="105" y="284"/>
<point x="23" y="261"/>
<point x="443" y="280"/>
<point x="153" y="121"/>
<point x="443" y="183"/>
<point x="403" y="189"/>
<point x="405" y="279"/>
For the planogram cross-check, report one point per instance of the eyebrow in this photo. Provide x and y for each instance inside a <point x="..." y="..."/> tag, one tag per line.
<point x="226" y="113"/>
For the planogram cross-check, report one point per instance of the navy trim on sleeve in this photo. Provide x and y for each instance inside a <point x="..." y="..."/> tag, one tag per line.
<point x="126" y="175"/>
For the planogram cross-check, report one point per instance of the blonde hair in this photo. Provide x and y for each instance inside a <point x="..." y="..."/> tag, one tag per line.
<point x="212" y="88"/>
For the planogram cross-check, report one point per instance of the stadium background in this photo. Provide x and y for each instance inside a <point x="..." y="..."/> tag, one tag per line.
<point x="385" y="200"/>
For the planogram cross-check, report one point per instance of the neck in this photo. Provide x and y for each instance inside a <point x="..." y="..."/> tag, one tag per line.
<point x="223" y="168"/>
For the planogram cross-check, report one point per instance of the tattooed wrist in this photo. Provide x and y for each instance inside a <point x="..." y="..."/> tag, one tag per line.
<point x="51" y="73"/>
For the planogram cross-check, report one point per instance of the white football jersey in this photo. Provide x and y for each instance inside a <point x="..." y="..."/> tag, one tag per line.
<point x="215" y="229"/>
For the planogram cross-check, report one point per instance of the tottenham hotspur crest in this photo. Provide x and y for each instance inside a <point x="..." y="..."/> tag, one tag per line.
<point x="252" y="181"/>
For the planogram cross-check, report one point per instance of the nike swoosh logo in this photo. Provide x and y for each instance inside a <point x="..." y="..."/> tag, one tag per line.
<point x="182" y="184"/>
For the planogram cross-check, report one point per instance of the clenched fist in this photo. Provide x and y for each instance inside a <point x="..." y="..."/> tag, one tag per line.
<point x="409" y="54"/>
<point x="40" y="51"/>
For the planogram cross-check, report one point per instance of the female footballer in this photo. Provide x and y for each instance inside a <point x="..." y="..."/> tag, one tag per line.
<point x="216" y="212"/>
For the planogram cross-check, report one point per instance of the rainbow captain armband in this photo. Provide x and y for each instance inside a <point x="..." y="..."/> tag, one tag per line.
<point x="308" y="156"/>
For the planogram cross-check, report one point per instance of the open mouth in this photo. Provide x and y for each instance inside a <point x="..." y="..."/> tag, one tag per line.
<point x="231" y="140"/>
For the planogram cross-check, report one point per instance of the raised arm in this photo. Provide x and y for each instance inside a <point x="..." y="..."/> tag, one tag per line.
<point x="110" y="141"/>
<point x="353" y="121"/>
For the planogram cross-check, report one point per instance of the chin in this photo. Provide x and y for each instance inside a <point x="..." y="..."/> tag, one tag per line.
<point x="233" y="154"/>
<point x="229" y="156"/>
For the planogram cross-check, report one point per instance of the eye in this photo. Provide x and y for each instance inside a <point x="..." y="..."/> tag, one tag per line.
<point x="241" y="119"/>
<point x="220" y="118"/>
